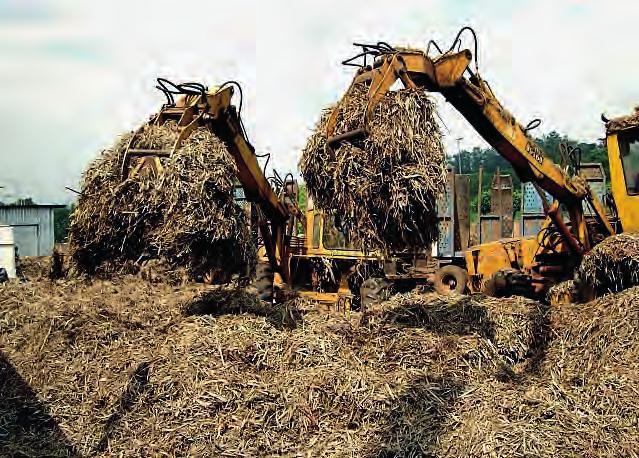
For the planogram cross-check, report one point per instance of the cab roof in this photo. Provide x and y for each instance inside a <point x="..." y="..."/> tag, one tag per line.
<point x="623" y="122"/>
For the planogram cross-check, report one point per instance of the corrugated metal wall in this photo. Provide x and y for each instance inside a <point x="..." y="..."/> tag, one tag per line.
<point x="32" y="229"/>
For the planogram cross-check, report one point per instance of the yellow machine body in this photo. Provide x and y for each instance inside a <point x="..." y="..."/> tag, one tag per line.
<point x="623" y="158"/>
<point x="543" y="260"/>
<point x="622" y="142"/>
<point x="512" y="253"/>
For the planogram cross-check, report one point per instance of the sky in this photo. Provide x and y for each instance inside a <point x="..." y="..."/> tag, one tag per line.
<point x="74" y="74"/>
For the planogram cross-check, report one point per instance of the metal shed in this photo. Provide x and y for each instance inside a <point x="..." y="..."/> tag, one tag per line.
<point x="33" y="227"/>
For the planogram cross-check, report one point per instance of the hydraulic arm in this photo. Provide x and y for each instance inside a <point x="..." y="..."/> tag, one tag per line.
<point x="198" y="106"/>
<point x="449" y="73"/>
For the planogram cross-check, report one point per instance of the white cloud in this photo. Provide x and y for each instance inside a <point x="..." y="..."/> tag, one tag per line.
<point x="81" y="72"/>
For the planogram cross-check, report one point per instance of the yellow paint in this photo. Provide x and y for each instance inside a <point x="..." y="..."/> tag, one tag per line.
<point x="482" y="261"/>
<point x="627" y="205"/>
<point x="475" y="100"/>
<point x="319" y="250"/>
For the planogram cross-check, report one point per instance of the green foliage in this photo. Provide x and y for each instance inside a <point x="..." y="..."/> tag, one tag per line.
<point x="516" y="201"/>
<point x="485" y="202"/>
<point x="25" y="201"/>
<point x="302" y="197"/>
<point x="61" y="223"/>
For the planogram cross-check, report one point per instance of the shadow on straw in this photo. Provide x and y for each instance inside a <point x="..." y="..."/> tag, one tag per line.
<point x="462" y="317"/>
<point x="219" y="302"/>
<point x="26" y="427"/>
<point x="137" y="384"/>
<point x="413" y="425"/>
<point x="542" y="336"/>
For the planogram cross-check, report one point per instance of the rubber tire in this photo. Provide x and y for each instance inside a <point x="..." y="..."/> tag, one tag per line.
<point x="264" y="282"/>
<point x="451" y="279"/>
<point x="507" y="282"/>
<point x="374" y="290"/>
<point x="489" y="288"/>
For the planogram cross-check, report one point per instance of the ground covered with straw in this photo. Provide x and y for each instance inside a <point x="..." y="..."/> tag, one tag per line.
<point x="383" y="189"/>
<point x="186" y="216"/>
<point x="580" y="401"/>
<point x="128" y="368"/>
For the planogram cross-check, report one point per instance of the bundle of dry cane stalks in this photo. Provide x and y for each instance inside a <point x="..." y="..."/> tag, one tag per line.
<point x="613" y="265"/>
<point x="383" y="190"/>
<point x="184" y="215"/>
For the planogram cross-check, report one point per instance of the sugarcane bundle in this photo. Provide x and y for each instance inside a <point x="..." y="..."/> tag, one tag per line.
<point x="562" y="292"/>
<point x="613" y="265"/>
<point x="185" y="215"/>
<point x="382" y="189"/>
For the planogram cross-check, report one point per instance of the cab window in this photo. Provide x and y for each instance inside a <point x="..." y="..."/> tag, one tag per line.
<point x="629" y="149"/>
<point x="335" y="238"/>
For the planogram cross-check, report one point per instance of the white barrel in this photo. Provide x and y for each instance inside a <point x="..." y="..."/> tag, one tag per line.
<point x="7" y="250"/>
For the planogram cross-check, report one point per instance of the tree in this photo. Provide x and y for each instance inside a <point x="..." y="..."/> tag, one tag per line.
<point x="25" y="201"/>
<point x="61" y="223"/>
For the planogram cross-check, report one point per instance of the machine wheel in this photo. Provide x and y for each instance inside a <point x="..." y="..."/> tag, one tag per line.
<point x="374" y="290"/>
<point x="264" y="281"/>
<point x="508" y="282"/>
<point x="451" y="280"/>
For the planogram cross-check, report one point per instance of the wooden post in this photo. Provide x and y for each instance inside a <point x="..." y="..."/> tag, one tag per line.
<point x="500" y="207"/>
<point x="479" y="185"/>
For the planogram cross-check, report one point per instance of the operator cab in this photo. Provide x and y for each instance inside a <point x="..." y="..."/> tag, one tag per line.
<point x="622" y="137"/>
<point x="325" y="234"/>
<point x="629" y="152"/>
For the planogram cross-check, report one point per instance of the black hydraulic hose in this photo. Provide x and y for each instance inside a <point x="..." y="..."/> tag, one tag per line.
<point x="434" y="43"/>
<point x="268" y="158"/>
<point x="474" y="35"/>
<point x="239" y="107"/>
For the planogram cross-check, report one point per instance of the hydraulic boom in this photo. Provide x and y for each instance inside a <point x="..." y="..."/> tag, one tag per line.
<point x="198" y="106"/>
<point x="449" y="73"/>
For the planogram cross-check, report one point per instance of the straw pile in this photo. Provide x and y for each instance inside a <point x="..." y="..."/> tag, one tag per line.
<point x="186" y="215"/>
<point x="33" y="267"/>
<point x="382" y="189"/>
<point x="613" y="265"/>
<point x="623" y="122"/>
<point x="127" y="368"/>
<point x="581" y="402"/>
<point x="513" y="326"/>
<point x="562" y="292"/>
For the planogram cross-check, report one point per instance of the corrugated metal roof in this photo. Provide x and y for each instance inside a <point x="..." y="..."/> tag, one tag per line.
<point x="33" y="206"/>
<point x="33" y="227"/>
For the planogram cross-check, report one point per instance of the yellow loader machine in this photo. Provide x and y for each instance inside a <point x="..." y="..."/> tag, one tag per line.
<point x="319" y="261"/>
<point x="528" y="265"/>
<point x="327" y="266"/>
<point x="198" y="106"/>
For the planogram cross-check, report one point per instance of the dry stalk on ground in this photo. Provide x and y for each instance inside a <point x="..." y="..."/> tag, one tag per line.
<point x="129" y="368"/>
<point x="581" y="400"/>
<point x="561" y="291"/>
